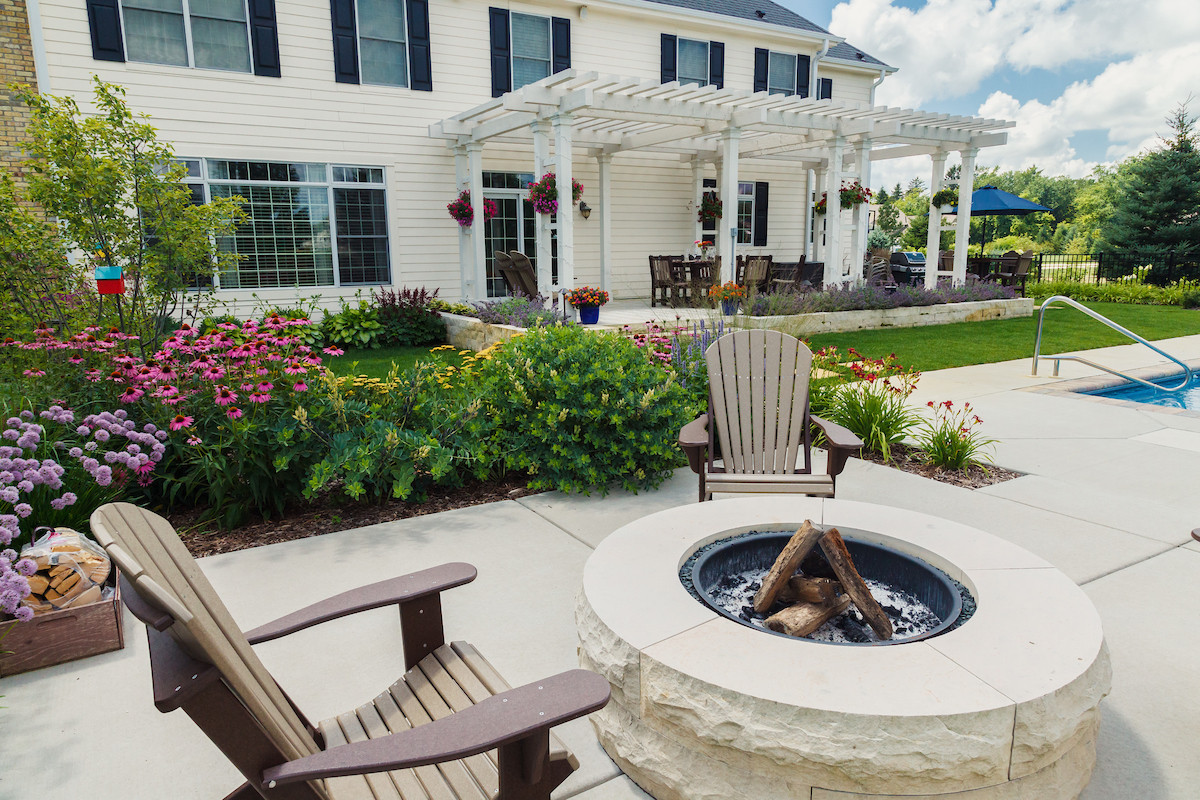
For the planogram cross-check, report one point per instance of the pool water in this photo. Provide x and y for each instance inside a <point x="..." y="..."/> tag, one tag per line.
<point x="1188" y="398"/>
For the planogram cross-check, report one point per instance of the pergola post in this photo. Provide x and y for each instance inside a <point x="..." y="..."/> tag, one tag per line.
<point x="933" y="240"/>
<point x="818" y="232"/>
<point x="962" y="234"/>
<point x="563" y="128"/>
<point x="807" y="205"/>
<point x="730" y="138"/>
<point x="862" y="212"/>
<point x="697" y="195"/>
<point x="477" y="286"/>
<point x="833" y="215"/>
<point x="462" y="177"/>
<point x="604" y="161"/>
<point x="541" y="165"/>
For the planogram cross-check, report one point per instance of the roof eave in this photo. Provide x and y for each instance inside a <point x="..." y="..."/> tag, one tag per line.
<point x="866" y="66"/>
<point x="674" y="12"/>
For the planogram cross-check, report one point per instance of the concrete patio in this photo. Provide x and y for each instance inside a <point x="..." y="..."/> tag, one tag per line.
<point x="1109" y="497"/>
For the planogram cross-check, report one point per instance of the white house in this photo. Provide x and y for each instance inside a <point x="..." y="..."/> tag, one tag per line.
<point x="348" y="125"/>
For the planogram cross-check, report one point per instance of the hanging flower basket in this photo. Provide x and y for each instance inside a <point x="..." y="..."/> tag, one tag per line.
<point x="945" y="197"/>
<point x="711" y="207"/>
<point x="464" y="214"/>
<point x="849" y="196"/>
<point x="544" y="194"/>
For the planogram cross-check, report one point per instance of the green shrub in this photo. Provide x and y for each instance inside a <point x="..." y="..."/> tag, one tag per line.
<point x="951" y="440"/>
<point x="1131" y="292"/>
<point x="878" y="239"/>
<point x="577" y="410"/>
<point x="408" y="319"/>
<point x="462" y="309"/>
<point x="1190" y="299"/>
<point x="354" y="326"/>
<point x="875" y="406"/>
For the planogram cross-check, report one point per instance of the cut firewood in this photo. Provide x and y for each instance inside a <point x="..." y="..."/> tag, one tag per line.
<point x="804" y="618"/>
<point x="785" y="565"/>
<point x="38" y="583"/>
<point x="802" y="589"/>
<point x="853" y="584"/>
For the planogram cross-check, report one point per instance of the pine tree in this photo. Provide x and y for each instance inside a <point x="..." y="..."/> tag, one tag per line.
<point x="1157" y="207"/>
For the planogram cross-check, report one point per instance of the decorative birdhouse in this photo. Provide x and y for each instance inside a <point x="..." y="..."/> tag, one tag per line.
<point x="109" y="280"/>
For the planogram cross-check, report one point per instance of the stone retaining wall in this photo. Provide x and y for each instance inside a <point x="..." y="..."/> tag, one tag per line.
<point x="468" y="333"/>
<point x="904" y="317"/>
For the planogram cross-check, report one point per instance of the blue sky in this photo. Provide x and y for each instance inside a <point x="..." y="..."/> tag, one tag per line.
<point x="1088" y="82"/>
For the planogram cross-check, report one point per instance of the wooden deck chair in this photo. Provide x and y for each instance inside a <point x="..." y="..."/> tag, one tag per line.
<point x="759" y="422"/>
<point x="527" y="275"/>
<point x="449" y="728"/>
<point x="504" y="265"/>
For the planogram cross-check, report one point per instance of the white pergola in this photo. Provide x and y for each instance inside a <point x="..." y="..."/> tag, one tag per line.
<point x="605" y="115"/>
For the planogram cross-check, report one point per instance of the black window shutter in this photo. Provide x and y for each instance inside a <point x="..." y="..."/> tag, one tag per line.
<point x="710" y="225"/>
<point x="560" y="43"/>
<point x="667" y="59"/>
<point x="825" y="88"/>
<point x="345" y="41"/>
<point x="759" y="231"/>
<point x="501" y="50"/>
<point x="265" y="37"/>
<point x="803" y="66"/>
<point x="104" y="22"/>
<point x="420" y="60"/>
<point x="762" y="63"/>
<point x="716" y="64"/>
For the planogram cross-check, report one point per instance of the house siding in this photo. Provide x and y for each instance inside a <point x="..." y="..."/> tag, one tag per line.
<point x="306" y="115"/>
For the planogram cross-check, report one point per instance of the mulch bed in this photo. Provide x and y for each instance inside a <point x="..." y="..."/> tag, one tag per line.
<point x="910" y="459"/>
<point x="335" y="514"/>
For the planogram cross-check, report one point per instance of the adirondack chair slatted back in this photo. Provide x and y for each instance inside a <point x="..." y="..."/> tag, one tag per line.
<point x="758" y="401"/>
<point x="153" y="559"/>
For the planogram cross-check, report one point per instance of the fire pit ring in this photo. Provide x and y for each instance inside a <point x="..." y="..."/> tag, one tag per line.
<point x="1003" y="707"/>
<point x="758" y="549"/>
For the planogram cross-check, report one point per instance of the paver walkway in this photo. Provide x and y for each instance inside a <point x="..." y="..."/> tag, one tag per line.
<point x="1109" y="497"/>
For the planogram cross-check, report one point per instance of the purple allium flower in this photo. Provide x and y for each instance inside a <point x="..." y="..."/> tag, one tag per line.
<point x="23" y="509"/>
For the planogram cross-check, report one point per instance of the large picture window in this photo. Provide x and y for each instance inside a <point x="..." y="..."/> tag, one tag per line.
<point x="307" y="224"/>
<point x="208" y="34"/>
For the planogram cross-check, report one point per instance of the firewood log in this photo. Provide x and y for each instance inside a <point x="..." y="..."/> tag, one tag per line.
<point x="785" y="565"/>
<point x="804" y="618"/>
<point x="802" y="589"/>
<point x="839" y="558"/>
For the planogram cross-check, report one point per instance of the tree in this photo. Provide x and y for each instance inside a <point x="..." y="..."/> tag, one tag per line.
<point x="889" y="221"/>
<point x="118" y="198"/>
<point x="915" y="186"/>
<point x="881" y="196"/>
<point x="1157" y="206"/>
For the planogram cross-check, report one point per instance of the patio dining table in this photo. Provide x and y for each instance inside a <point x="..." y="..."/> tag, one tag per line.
<point x="988" y="266"/>
<point x="702" y="274"/>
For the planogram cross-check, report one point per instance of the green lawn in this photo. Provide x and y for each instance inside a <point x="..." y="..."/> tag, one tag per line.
<point x="1066" y="329"/>
<point x="377" y="363"/>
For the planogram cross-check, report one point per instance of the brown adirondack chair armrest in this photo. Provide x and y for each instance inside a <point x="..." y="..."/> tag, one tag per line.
<point x="502" y="719"/>
<point x="693" y="438"/>
<point x="841" y="442"/>
<point x="395" y="591"/>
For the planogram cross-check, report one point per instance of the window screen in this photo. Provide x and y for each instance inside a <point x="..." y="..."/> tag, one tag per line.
<point x="154" y="31"/>
<point x="530" y="49"/>
<point x="382" y="38"/>
<point x="693" y="62"/>
<point x="781" y="78"/>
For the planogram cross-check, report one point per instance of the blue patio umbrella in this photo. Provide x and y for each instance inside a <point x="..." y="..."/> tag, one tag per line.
<point x="992" y="202"/>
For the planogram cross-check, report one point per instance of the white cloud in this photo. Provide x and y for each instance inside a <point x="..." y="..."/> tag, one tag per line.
<point x="1145" y="58"/>
<point x="948" y="48"/>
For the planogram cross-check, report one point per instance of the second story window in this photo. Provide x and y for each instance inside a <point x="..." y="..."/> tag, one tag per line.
<point x="526" y="48"/>
<point x="208" y="34"/>
<point x="382" y="38"/>
<point x="692" y="61"/>
<point x="530" y="49"/>
<point x="781" y="77"/>
<point x="781" y="73"/>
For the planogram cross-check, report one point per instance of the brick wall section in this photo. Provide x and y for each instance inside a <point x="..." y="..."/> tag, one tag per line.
<point x="16" y="66"/>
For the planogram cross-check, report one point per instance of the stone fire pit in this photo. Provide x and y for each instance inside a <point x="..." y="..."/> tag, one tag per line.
<point x="1006" y="706"/>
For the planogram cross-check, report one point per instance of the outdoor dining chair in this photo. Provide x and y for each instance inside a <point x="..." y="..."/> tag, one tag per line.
<point x="450" y="709"/>
<point x="668" y="285"/>
<point x="756" y="273"/>
<point x="786" y="278"/>
<point x="758" y="426"/>
<point x="1015" y="273"/>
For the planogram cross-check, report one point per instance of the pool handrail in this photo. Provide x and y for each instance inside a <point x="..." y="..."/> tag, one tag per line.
<point x="1037" y="347"/>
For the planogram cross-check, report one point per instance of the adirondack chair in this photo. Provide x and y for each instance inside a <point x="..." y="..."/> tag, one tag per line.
<point x="759" y="421"/>
<point x="508" y="271"/>
<point x="451" y="708"/>
<point x="526" y="274"/>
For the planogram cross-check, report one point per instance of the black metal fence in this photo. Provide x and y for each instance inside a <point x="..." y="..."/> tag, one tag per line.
<point x="1158" y="269"/>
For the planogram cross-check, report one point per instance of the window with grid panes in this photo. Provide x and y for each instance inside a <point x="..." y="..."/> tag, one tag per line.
<point x="530" y="49"/>
<point x="692" y="63"/>
<point x="745" y="213"/>
<point x="781" y="74"/>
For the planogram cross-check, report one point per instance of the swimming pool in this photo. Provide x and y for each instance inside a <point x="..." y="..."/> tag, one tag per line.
<point x="1188" y="398"/>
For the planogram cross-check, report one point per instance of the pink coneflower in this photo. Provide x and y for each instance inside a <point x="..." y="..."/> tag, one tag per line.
<point x="172" y="401"/>
<point x="294" y="368"/>
<point x="181" y="421"/>
<point x="194" y="440"/>
<point x="333" y="351"/>
<point x="233" y="412"/>
<point x="248" y="387"/>
<point x="213" y="374"/>
<point x="34" y="373"/>
<point x="266" y="386"/>
<point x="225" y="396"/>
<point x="167" y="391"/>
<point x="258" y="397"/>
<point x="300" y="386"/>
<point x="262" y="372"/>
<point x="131" y="394"/>
<point x="75" y="360"/>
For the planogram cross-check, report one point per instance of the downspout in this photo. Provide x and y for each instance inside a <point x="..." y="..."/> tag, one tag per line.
<point x="814" y="86"/>
<point x="875" y="85"/>
<point x="37" y="42"/>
